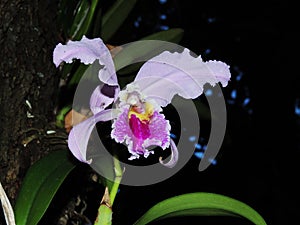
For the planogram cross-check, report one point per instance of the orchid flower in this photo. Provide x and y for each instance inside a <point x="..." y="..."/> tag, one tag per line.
<point x="138" y="121"/>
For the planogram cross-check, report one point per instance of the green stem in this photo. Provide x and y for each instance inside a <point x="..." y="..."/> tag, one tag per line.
<point x="105" y="210"/>
<point x="118" y="178"/>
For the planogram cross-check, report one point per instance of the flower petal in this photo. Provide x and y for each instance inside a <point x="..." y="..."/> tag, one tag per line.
<point x="87" y="51"/>
<point x="168" y="74"/>
<point x="137" y="144"/>
<point x="122" y="133"/>
<point x="120" y="128"/>
<point x="160" y="131"/>
<point x="80" y="134"/>
<point x="102" y="96"/>
<point x="174" y="156"/>
<point x="73" y="118"/>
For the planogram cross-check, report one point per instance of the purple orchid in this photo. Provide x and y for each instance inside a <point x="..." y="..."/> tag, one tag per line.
<point x="137" y="117"/>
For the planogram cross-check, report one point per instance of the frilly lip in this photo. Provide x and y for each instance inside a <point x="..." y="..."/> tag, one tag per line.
<point x="159" y="134"/>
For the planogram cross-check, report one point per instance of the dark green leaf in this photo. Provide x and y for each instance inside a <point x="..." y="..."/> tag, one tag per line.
<point x="66" y="12"/>
<point x="172" y="35"/>
<point x="78" y="22"/>
<point x="115" y="17"/>
<point x="66" y="70"/>
<point x="40" y="185"/>
<point x="142" y="49"/>
<point x="85" y="24"/>
<point x="85" y="72"/>
<point x="97" y="21"/>
<point x="104" y="164"/>
<point x="88" y="21"/>
<point x="200" y="204"/>
<point x="77" y="75"/>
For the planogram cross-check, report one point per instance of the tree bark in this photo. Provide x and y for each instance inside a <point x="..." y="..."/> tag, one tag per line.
<point x="29" y="83"/>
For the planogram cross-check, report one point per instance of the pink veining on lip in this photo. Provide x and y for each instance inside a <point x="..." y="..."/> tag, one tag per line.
<point x="140" y="129"/>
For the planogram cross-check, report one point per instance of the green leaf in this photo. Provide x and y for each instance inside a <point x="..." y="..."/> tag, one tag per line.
<point x="200" y="204"/>
<point x="40" y="185"/>
<point x="80" y="17"/>
<point x="85" y="72"/>
<point x="172" y="35"/>
<point x="85" y="25"/>
<point x="77" y="75"/>
<point x="115" y="17"/>
<point x="145" y="47"/>
<point x="60" y="118"/>
<point x="104" y="164"/>
<point x="66" y="11"/>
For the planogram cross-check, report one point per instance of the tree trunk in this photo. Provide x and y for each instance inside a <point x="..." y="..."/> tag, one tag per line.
<point x="29" y="83"/>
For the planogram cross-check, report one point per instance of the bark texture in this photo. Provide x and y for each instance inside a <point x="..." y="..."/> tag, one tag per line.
<point x="28" y="87"/>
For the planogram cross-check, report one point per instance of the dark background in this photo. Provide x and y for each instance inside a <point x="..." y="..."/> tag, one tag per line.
<point x="258" y="162"/>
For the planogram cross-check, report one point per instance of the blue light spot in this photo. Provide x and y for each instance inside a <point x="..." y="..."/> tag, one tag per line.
<point x="198" y="146"/>
<point x="211" y="19"/>
<point x="163" y="16"/>
<point x="239" y="76"/>
<point x="137" y="22"/>
<point x="204" y="147"/>
<point x="162" y="1"/>
<point x="172" y="135"/>
<point x="164" y="27"/>
<point x="192" y="138"/>
<point x="213" y="161"/>
<point x="207" y="51"/>
<point x="246" y="101"/>
<point x="208" y="92"/>
<point x="297" y="107"/>
<point x="233" y="94"/>
<point x="199" y="155"/>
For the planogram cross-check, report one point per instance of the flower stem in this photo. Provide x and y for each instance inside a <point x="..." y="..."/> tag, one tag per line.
<point x="118" y="177"/>
<point x="105" y="210"/>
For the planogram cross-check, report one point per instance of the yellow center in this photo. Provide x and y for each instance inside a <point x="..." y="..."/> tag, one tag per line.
<point x="142" y="116"/>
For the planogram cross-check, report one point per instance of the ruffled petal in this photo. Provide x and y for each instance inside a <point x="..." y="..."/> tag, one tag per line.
<point x="120" y="128"/>
<point x="121" y="133"/>
<point x="80" y="134"/>
<point x="174" y="156"/>
<point x="139" y="140"/>
<point x="159" y="131"/>
<point x="87" y="51"/>
<point x="102" y="96"/>
<point x="168" y="74"/>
